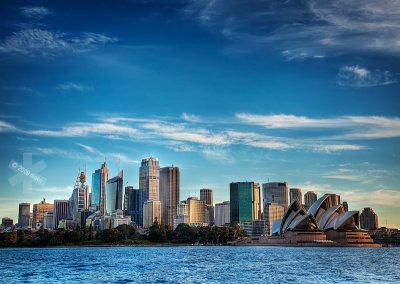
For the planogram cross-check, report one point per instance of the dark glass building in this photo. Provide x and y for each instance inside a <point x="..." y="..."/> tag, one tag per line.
<point x="245" y="201"/>
<point x="131" y="203"/>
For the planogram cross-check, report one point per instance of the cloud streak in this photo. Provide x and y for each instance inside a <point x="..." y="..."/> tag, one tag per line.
<point x="42" y="42"/>
<point x="303" y="29"/>
<point x="358" y="77"/>
<point x="36" y="13"/>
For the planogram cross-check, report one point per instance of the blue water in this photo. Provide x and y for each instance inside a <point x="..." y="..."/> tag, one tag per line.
<point x="200" y="265"/>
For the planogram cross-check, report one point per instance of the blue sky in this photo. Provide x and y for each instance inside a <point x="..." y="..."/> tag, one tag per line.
<point x="306" y="93"/>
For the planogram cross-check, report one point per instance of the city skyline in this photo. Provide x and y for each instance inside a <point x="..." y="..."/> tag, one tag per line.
<point x="217" y="89"/>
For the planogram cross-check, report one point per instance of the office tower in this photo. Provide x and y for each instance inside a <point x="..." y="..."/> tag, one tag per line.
<point x="345" y="206"/>
<point x="209" y="211"/>
<point x="335" y="199"/>
<point x="222" y="213"/>
<point x="62" y="211"/>
<point x="272" y="213"/>
<point x="48" y="220"/>
<point x="79" y="198"/>
<point x="38" y="213"/>
<point x="275" y="192"/>
<point x="131" y="203"/>
<point x="309" y="198"/>
<point x="197" y="211"/>
<point x="295" y="194"/>
<point x="100" y="177"/>
<point x="244" y="201"/>
<point x="114" y="194"/>
<point x="7" y="222"/>
<point x="149" y="174"/>
<point x="182" y="214"/>
<point x="206" y="195"/>
<point x="151" y="212"/>
<point x="96" y="189"/>
<point x="169" y="193"/>
<point x="368" y="219"/>
<point x="24" y="215"/>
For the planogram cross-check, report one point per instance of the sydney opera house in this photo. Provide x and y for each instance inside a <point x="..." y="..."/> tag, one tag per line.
<point x="325" y="223"/>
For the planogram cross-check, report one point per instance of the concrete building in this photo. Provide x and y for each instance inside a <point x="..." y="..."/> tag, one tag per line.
<point x="309" y="198"/>
<point x="369" y="219"/>
<point x="182" y="214"/>
<point x="275" y="192"/>
<point x="99" y="181"/>
<point x="244" y="202"/>
<point x="345" y="206"/>
<point x="131" y="203"/>
<point x="206" y="195"/>
<point x="295" y="194"/>
<point x="149" y="183"/>
<point x="7" y="222"/>
<point x="335" y="199"/>
<point x="24" y="215"/>
<point x="222" y="213"/>
<point x="48" y="220"/>
<point x="151" y="212"/>
<point x="38" y="212"/>
<point x="118" y="218"/>
<point x="62" y="211"/>
<point x="114" y="194"/>
<point x="79" y="198"/>
<point x="169" y="193"/>
<point x="272" y="212"/>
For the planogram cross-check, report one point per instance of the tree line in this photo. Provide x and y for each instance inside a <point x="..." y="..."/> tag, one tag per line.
<point x="124" y="234"/>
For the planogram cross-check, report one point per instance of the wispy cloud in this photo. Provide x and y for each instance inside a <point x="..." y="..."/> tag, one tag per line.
<point x="190" y="117"/>
<point x="36" y="13"/>
<point x="185" y="136"/>
<point x="359" y="77"/>
<point x="303" y="29"/>
<point x="41" y="42"/>
<point x="73" y="86"/>
<point x="354" y="127"/>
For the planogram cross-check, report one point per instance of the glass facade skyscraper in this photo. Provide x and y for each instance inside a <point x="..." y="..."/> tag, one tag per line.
<point x="96" y="188"/>
<point x="245" y="201"/>
<point x="114" y="194"/>
<point x="275" y="192"/>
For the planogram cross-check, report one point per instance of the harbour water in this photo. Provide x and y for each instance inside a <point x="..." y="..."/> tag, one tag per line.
<point x="199" y="264"/>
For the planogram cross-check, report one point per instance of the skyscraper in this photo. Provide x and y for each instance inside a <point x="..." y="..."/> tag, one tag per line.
<point x="275" y="192"/>
<point x="295" y="194"/>
<point x="24" y="215"/>
<point x="335" y="199"/>
<point x="114" y="194"/>
<point x="103" y="172"/>
<point x="244" y="201"/>
<point x="96" y="189"/>
<point x="62" y="211"/>
<point x="206" y="195"/>
<point x="131" y="203"/>
<point x="169" y="193"/>
<point x="369" y="219"/>
<point x="309" y="198"/>
<point x="151" y="212"/>
<point x="79" y="198"/>
<point x="38" y="213"/>
<point x="149" y="183"/>
<point x="196" y="211"/>
<point x="222" y="213"/>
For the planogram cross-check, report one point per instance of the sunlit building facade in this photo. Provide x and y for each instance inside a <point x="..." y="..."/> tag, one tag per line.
<point x="149" y="183"/>
<point x="169" y="193"/>
<point x="222" y="213"/>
